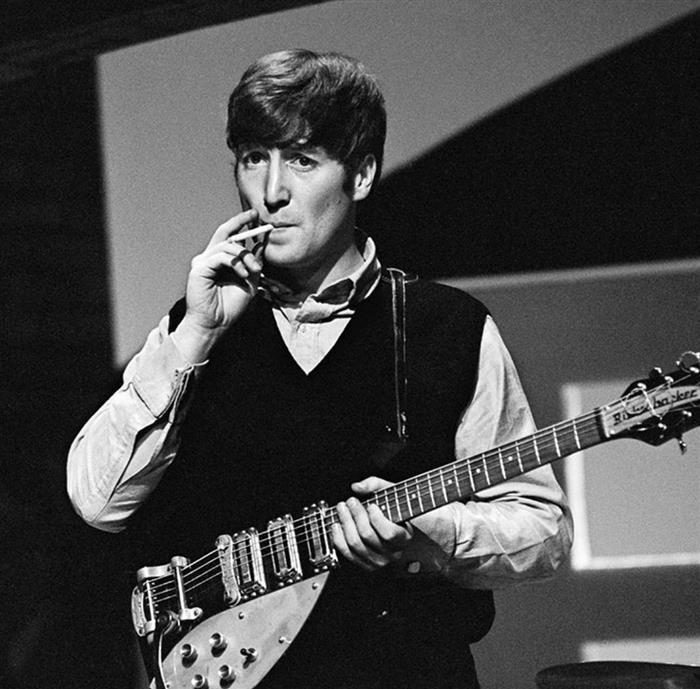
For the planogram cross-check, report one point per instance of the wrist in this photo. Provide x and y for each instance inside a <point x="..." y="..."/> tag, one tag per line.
<point x="195" y="341"/>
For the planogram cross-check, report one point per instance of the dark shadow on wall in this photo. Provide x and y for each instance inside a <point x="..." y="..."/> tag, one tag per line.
<point x="600" y="166"/>
<point x="61" y="583"/>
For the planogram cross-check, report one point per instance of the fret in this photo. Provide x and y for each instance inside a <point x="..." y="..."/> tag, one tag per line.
<point x="576" y="438"/>
<point x="430" y="490"/>
<point x="486" y="469"/>
<point x="387" y="506"/>
<point x="503" y="468"/>
<point x="397" y="503"/>
<point x="471" y="478"/>
<point x="450" y="487"/>
<point x="520" y="461"/>
<point x="556" y="441"/>
<point x="398" y="498"/>
<point x="444" y="488"/>
<point x="408" y="500"/>
<point x="537" y="450"/>
<point x="420" y="501"/>
<point x="458" y="489"/>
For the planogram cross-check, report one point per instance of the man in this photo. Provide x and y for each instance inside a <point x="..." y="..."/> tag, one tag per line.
<point x="281" y="381"/>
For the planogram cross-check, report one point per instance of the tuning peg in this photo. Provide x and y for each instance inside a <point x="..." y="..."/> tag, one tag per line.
<point x="656" y="375"/>
<point x="682" y="444"/>
<point x="690" y="362"/>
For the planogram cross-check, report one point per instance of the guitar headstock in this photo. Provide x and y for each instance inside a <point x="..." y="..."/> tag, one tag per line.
<point x="659" y="408"/>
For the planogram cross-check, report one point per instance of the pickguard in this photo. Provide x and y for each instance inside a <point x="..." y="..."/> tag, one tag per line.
<point x="238" y="647"/>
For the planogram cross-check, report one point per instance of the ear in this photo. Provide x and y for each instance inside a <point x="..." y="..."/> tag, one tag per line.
<point x="363" y="178"/>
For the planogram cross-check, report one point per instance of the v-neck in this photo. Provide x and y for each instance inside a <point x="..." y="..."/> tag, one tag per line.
<point x="353" y="336"/>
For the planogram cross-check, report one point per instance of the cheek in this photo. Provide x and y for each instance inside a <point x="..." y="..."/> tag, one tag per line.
<point x="249" y="188"/>
<point x="333" y="204"/>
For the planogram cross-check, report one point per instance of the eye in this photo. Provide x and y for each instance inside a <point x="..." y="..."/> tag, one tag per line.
<point x="252" y="158"/>
<point x="303" y="162"/>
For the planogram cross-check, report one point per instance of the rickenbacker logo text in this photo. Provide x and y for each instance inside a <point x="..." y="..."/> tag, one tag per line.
<point x="644" y="405"/>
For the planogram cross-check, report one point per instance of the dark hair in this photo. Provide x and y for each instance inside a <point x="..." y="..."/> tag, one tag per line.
<point x="318" y="99"/>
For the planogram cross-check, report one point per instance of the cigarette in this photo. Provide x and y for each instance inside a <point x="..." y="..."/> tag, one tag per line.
<point x="251" y="233"/>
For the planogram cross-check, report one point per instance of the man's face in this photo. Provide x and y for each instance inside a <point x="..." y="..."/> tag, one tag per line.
<point x="308" y="197"/>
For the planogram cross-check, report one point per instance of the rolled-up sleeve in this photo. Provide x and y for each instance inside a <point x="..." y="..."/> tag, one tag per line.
<point x="119" y="456"/>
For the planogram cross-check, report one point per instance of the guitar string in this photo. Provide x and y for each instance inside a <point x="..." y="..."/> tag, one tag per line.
<point x="492" y="459"/>
<point x="460" y="469"/>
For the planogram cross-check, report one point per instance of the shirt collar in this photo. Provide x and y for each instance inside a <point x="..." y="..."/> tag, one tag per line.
<point x="341" y="296"/>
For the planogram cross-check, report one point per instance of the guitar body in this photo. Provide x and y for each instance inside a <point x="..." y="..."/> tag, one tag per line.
<point x="241" y="644"/>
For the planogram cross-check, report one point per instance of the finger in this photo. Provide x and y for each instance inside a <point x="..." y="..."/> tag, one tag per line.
<point x="368" y="536"/>
<point x="221" y="266"/>
<point x="340" y="541"/>
<point x="341" y="545"/>
<point x="237" y="254"/>
<point x="348" y="541"/>
<point x="393" y="536"/>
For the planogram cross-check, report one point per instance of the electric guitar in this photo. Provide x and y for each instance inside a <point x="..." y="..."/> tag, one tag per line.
<point x="230" y="615"/>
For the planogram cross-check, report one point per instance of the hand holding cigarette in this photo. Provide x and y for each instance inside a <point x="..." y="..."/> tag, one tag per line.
<point x="222" y="282"/>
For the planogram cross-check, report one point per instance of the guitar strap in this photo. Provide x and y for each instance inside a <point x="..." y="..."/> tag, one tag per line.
<point x="398" y="312"/>
<point x="395" y="437"/>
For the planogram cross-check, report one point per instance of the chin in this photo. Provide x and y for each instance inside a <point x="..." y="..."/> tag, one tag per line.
<point x="279" y="257"/>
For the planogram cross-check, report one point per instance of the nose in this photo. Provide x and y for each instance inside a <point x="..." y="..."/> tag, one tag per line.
<point x="276" y="188"/>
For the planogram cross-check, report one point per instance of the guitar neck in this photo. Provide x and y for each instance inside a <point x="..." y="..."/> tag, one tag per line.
<point x="465" y="477"/>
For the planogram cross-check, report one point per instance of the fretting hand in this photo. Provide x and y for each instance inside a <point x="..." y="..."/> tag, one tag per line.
<point x="365" y="536"/>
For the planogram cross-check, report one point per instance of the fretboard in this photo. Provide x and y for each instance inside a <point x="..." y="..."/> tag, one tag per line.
<point x="465" y="477"/>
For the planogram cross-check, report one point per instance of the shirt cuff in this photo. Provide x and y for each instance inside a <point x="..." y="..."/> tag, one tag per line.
<point x="162" y="377"/>
<point x="432" y="543"/>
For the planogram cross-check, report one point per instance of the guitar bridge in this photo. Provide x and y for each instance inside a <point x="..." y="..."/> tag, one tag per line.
<point x="141" y="612"/>
<point x="286" y="565"/>
<point x="143" y="604"/>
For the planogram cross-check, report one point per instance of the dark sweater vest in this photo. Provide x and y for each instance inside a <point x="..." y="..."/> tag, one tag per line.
<point x="263" y="439"/>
